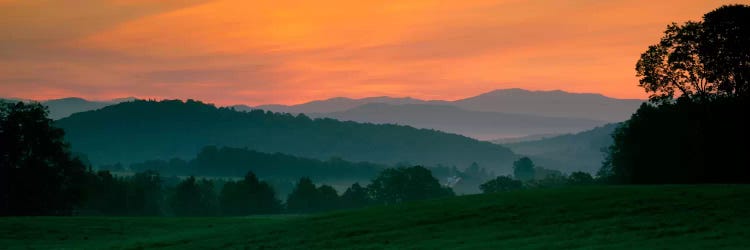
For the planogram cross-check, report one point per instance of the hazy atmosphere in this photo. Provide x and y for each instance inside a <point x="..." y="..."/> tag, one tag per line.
<point x="518" y="124"/>
<point x="289" y="52"/>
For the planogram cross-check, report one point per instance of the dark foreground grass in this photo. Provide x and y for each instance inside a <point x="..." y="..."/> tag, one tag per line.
<point x="653" y="217"/>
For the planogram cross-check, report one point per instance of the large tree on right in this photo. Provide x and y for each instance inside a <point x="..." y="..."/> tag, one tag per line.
<point x="694" y="129"/>
<point x="700" y="59"/>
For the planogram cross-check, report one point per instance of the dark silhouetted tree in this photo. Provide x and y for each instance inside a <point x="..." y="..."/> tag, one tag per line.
<point x="701" y="135"/>
<point x="38" y="174"/>
<point x="523" y="169"/>
<point x="327" y="198"/>
<point x="724" y="49"/>
<point x="687" y="141"/>
<point x="306" y="198"/>
<point x="501" y="184"/>
<point x="140" y="194"/>
<point x="106" y="194"/>
<point x="397" y="185"/>
<point x="355" y="196"/>
<point x="580" y="178"/>
<point x="145" y="194"/>
<point x="303" y="198"/>
<point x="194" y="198"/>
<point x="249" y="196"/>
<point x="700" y="59"/>
<point x="541" y="173"/>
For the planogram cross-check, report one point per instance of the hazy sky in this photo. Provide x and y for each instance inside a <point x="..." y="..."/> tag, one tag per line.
<point x="253" y="52"/>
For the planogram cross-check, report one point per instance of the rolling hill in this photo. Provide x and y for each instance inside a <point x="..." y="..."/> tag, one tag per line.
<point x="505" y="113"/>
<point x="571" y="152"/>
<point x="64" y="107"/>
<point x="60" y="108"/>
<point x="606" y="217"/>
<point x="476" y="124"/>
<point x="336" y="104"/>
<point x="145" y="130"/>
<point x="514" y="101"/>
<point x="231" y="162"/>
<point x="552" y="103"/>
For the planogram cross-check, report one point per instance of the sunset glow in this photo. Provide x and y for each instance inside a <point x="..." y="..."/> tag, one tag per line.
<point x="282" y="51"/>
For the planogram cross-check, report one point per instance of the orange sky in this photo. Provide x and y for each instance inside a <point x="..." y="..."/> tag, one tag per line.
<point x="282" y="51"/>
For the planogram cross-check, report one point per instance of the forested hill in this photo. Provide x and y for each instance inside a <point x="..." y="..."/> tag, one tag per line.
<point x="571" y="152"/>
<point x="224" y="161"/>
<point x="144" y="130"/>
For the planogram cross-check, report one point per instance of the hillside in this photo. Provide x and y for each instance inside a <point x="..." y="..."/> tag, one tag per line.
<point x="59" y="108"/>
<point x="514" y="101"/>
<point x="505" y="113"/>
<point x="534" y="137"/>
<point x="571" y="152"/>
<point x="607" y="217"/>
<point x="64" y="107"/>
<point x="145" y="130"/>
<point x="336" y="104"/>
<point x="475" y="124"/>
<point x="231" y="162"/>
<point x="552" y="103"/>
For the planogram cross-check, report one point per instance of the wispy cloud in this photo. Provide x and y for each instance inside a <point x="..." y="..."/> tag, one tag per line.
<point x="288" y="51"/>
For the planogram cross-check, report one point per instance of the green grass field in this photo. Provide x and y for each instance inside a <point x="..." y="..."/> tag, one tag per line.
<point x="653" y="217"/>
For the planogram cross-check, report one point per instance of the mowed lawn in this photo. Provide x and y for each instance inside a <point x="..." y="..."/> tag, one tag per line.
<point x="608" y="217"/>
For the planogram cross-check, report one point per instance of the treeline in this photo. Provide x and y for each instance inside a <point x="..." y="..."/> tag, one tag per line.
<point x="233" y="162"/>
<point x="695" y="128"/>
<point x="40" y="176"/>
<point x="688" y="141"/>
<point x="226" y="161"/>
<point x="145" y="194"/>
<point x="526" y="175"/>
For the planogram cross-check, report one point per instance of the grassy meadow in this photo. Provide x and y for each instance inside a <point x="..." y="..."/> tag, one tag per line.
<point x="597" y="217"/>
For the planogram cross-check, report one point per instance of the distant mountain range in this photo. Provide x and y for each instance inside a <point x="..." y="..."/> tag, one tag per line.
<point x="139" y="130"/>
<point x="515" y="101"/>
<point x="59" y="108"/>
<point x="553" y="104"/>
<point x="335" y="104"/>
<point x="503" y="114"/>
<point x="506" y="113"/>
<point x="534" y="137"/>
<point x="452" y="119"/>
<point x="64" y="107"/>
<point x="571" y="152"/>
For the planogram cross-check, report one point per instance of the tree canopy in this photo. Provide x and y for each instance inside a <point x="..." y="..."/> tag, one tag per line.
<point x="396" y="185"/>
<point x="523" y="169"/>
<point x="700" y="59"/>
<point x="501" y="184"/>
<point x="701" y="135"/>
<point x="38" y="174"/>
<point x="684" y="142"/>
<point x="355" y="196"/>
<point x="307" y="198"/>
<point x="248" y="196"/>
<point x="194" y="197"/>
